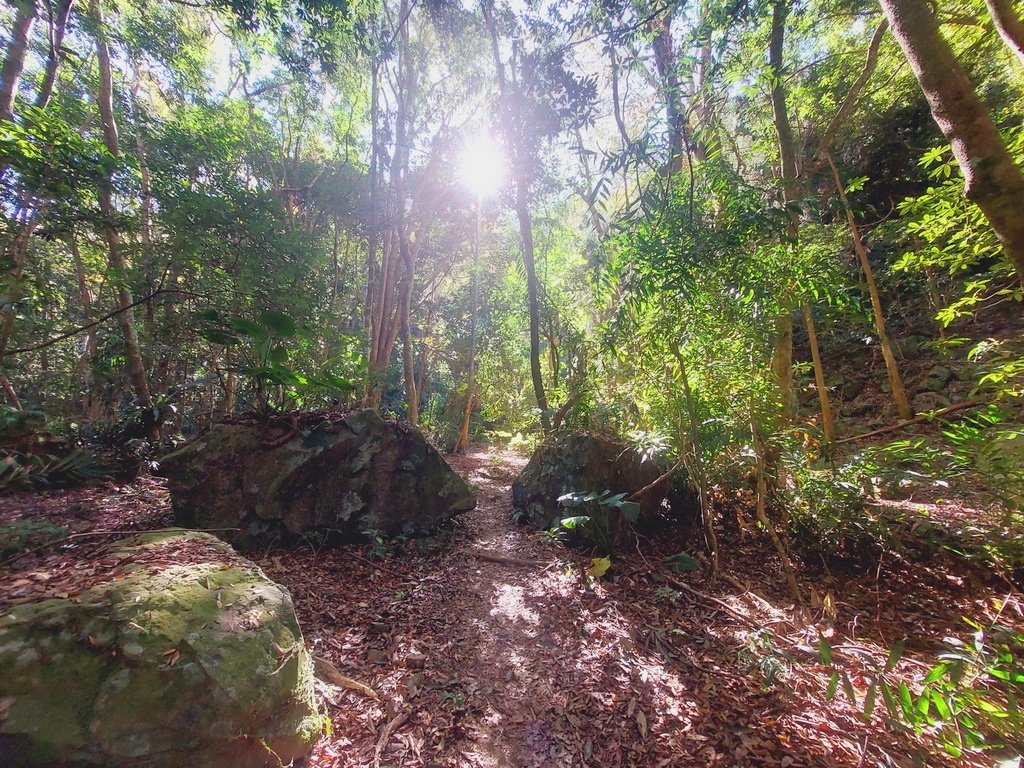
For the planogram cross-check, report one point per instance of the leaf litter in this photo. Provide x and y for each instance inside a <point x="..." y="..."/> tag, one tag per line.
<point x="496" y="648"/>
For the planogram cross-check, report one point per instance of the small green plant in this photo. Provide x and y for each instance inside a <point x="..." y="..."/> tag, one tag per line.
<point x="760" y="652"/>
<point x="456" y="698"/>
<point x="377" y="543"/>
<point x="600" y="517"/>
<point x="21" y="471"/>
<point x="667" y="593"/>
<point x="970" y="700"/>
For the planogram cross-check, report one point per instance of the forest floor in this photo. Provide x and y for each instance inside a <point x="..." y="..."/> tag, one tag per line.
<point x="492" y="647"/>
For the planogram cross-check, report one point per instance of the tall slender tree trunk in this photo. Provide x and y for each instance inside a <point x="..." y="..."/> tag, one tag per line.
<point x="58" y="26"/>
<point x="666" y="62"/>
<point x="782" y="356"/>
<point x="14" y="62"/>
<point x="697" y="459"/>
<point x="408" y="361"/>
<point x="462" y="441"/>
<point x="87" y="302"/>
<point x="899" y="393"/>
<point x="1008" y="25"/>
<point x="992" y="179"/>
<point x="827" y="427"/>
<point x="115" y="256"/>
<point x="522" y="206"/>
<point x="526" y="234"/>
<point x="373" y="235"/>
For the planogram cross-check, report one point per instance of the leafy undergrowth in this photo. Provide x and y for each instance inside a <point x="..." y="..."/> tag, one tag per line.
<point x="517" y="658"/>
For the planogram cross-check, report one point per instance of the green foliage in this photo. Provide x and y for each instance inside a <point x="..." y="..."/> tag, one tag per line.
<point x="23" y="534"/>
<point x="22" y="471"/>
<point x="599" y="518"/>
<point x="969" y="702"/>
<point x="266" y="346"/>
<point x="760" y="652"/>
<point x="682" y="562"/>
<point x="956" y="237"/>
<point x="990" y="450"/>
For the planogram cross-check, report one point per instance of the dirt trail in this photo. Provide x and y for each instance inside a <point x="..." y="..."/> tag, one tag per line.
<point x="482" y="663"/>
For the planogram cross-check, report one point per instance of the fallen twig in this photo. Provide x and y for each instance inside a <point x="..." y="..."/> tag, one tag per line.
<point x="380" y="567"/>
<point x="385" y="735"/>
<point x="651" y="486"/>
<point x="327" y="671"/>
<point x="916" y="420"/>
<point x="709" y="598"/>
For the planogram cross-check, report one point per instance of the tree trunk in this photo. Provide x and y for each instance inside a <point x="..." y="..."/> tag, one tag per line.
<point x="408" y="363"/>
<point x="666" y="61"/>
<point x="115" y="257"/>
<point x="522" y="205"/>
<point x="782" y="357"/>
<point x="14" y="62"/>
<point x="87" y="302"/>
<point x="782" y="365"/>
<point x="58" y="26"/>
<point x="899" y="393"/>
<point x="1008" y="25"/>
<point x="827" y="428"/>
<point x="526" y="233"/>
<point x="992" y="180"/>
<point x="462" y="441"/>
<point x="697" y="460"/>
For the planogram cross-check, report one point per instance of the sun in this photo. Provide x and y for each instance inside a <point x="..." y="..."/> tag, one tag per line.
<point x="482" y="166"/>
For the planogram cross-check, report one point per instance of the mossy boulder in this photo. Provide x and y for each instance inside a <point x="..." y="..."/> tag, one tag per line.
<point x="192" y="657"/>
<point x="332" y="475"/>
<point x="582" y="462"/>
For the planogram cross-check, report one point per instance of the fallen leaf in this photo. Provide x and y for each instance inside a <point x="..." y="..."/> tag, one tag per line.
<point x="599" y="567"/>
<point x="641" y="723"/>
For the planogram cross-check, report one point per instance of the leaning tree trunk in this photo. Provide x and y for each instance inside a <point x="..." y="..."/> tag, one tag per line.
<point x="1008" y="25"/>
<point x="827" y="427"/>
<point x="992" y="180"/>
<point x="899" y="393"/>
<point x="462" y="440"/>
<point x="14" y="63"/>
<point x="115" y="256"/>
<point x="58" y="26"/>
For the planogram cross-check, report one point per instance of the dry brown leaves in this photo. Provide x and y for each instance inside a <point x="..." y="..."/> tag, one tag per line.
<point x="503" y="662"/>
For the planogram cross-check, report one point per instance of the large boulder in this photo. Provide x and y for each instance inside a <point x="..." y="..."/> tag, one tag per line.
<point x="336" y="476"/>
<point x="187" y="655"/>
<point x="582" y="462"/>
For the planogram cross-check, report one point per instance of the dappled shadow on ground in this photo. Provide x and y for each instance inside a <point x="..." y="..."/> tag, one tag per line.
<point x="530" y="663"/>
<point x="484" y="663"/>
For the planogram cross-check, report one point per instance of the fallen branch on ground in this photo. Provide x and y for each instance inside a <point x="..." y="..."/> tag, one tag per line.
<point x="916" y="420"/>
<point x="385" y="736"/>
<point x="330" y="673"/>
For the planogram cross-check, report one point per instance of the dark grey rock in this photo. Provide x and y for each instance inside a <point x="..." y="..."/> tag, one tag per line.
<point x="581" y="462"/>
<point x="338" y="476"/>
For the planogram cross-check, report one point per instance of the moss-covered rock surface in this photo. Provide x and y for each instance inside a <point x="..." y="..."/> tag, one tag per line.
<point x="184" y="661"/>
<point x="333" y="475"/>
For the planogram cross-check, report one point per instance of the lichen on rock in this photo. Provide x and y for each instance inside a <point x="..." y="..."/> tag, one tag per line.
<point x="191" y="663"/>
